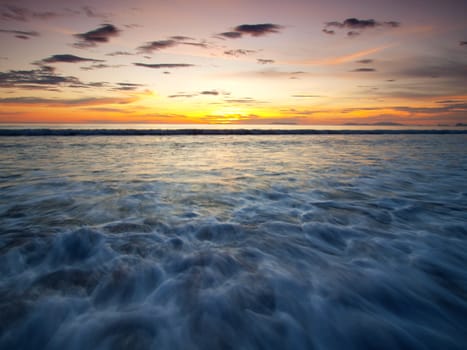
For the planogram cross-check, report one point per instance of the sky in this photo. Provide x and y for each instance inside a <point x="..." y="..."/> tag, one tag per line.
<point x="242" y="62"/>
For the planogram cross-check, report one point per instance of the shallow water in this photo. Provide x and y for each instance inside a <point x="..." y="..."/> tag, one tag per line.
<point x="233" y="242"/>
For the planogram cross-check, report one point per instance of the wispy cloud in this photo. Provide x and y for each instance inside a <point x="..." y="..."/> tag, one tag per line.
<point x="66" y="58"/>
<point x="96" y="36"/>
<point x="364" y="70"/>
<point x="20" y="34"/>
<point x="101" y="66"/>
<point x="264" y="61"/>
<point x="23" y="14"/>
<point x="157" y="45"/>
<point x="239" y="52"/>
<point x="119" y="53"/>
<point x="343" y="59"/>
<point x="230" y="35"/>
<point x="365" y="61"/>
<point x="89" y="101"/>
<point x="164" y="65"/>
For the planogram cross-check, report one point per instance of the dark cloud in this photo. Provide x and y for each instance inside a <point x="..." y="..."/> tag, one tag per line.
<point x="96" y="36"/>
<point x="251" y="29"/>
<point x="364" y="70"/>
<point x="365" y="61"/>
<point x="258" y="29"/>
<point x="23" y="14"/>
<point x="119" y="53"/>
<point x="20" y="34"/>
<point x="211" y="92"/>
<point x="67" y="59"/>
<point x="157" y="45"/>
<point x="239" y="52"/>
<point x="164" y="65"/>
<point x="42" y="77"/>
<point x="356" y="26"/>
<point x="264" y="61"/>
<point x="231" y="35"/>
<point x="463" y="43"/>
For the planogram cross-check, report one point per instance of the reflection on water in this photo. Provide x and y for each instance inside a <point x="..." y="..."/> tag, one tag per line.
<point x="233" y="242"/>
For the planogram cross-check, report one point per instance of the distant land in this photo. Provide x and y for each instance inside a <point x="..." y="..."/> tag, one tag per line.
<point x="376" y="124"/>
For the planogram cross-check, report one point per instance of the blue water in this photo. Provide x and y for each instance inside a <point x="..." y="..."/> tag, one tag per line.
<point x="233" y="242"/>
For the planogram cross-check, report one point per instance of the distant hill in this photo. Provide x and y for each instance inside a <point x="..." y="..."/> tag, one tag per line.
<point x="376" y="124"/>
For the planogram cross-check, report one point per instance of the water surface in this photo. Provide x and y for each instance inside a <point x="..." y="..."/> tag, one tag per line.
<point x="233" y="242"/>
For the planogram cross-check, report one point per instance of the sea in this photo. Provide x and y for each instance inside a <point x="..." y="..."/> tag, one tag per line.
<point x="346" y="238"/>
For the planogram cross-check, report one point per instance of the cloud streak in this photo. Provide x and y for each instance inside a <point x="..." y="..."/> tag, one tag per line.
<point x="25" y="35"/>
<point x="152" y="46"/>
<point x="239" y="52"/>
<point x="66" y="58"/>
<point x="163" y="65"/>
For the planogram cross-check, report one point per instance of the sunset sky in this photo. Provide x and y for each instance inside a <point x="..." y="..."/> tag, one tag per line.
<point x="243" y="61"/>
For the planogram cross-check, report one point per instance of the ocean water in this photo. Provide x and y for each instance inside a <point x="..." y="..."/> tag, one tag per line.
<point x="233" y="242"/>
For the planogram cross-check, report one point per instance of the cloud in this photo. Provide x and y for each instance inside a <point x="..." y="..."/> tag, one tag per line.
<point x="306" y="96"/>
<point x="157" y="45"/>
<point x="20" y="34"/>
<point x="364" y="70"/>
<point x="181" y="38"/>
<point x="101" y="66"/>
<point x="23" y="14"/>
<point x="352" y="33"/>
<point x="164" y="65"/>
<point x="365" y="61"/>
<point x="239" y="52"/>
<point x="258" y="29"/>
<point x="89" y="101"/>
<point x="43" y="77"/>
<point x="252" y="30"/>
<point x="119" y="53"/>
<point x="66" y="58"/>
<point x="210" y="92"/>
<point x="128" y="86"/>
<point x="182" y="95"/>
<point x="176" y="40"/>
<point x="356" y="26"/>
<point x="231" y="35"/>
<point x="264" y="61"/>
<point x="463" y="43"/>
<point x="96" y="36"/>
